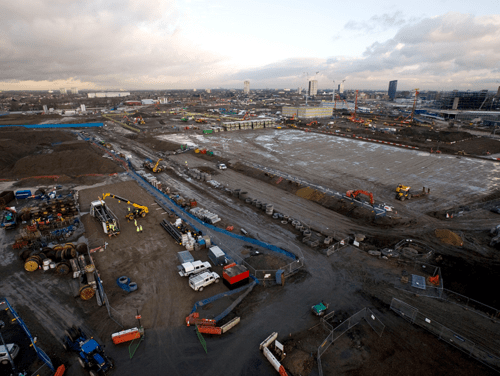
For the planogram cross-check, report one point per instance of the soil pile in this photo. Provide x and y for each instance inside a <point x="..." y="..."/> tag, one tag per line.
<point x="69" y="162"/>
<point x="310" y="194"/>
<point x="449" y="237"/>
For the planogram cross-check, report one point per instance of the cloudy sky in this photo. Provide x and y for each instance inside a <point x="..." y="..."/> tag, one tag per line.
<point x="184" y="44"/>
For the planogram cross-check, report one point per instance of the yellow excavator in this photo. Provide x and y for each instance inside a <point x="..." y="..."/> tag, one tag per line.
<point x="139" y="211"/>
<point x="156" y="167"/>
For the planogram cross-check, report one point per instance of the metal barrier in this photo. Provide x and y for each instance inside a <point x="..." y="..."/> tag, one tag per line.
<point x="337" y="246"/>
<point x="39" y="352"/>
<point x="424" y="270"/>
<point x="479" y="352"/>
<point x="338" y="331"/>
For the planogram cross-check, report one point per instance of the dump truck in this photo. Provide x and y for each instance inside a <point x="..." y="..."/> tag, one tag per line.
<point x="100" y="211"/>
<point x="403" y="192"/>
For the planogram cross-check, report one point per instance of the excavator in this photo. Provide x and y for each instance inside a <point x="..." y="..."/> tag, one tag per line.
<point x="140" y="210"/>
<point x="354" y="194"/>
<point x="312" y="123"/>
<point x="156" y="167"/>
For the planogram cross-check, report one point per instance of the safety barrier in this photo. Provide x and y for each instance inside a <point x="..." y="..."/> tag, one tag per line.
<point x="40" y="353"/>
<point x="203" y="302"/>
<point x="45" y="126"/>
<point x="475" y="350"/>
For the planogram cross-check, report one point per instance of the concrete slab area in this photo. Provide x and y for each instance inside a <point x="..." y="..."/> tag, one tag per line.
<point x="351" y="164"/>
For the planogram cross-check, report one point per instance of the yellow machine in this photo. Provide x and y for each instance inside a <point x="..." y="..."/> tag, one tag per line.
<point x="155" y="168"/>
<point x="140" y="210"/>
<point x="403" y="192"/>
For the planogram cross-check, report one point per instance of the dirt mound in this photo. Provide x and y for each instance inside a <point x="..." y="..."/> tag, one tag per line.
<point x="69" y="162"/>
<point x="156" y="144"/>
<point x="310" y="194"/>
<point x="449" y="237"/>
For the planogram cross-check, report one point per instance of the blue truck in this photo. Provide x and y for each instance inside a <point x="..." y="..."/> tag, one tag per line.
<point x="90" y="354"/>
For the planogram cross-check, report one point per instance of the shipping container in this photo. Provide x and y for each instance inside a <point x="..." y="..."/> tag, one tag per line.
<point x="235" y="275"/>
<point x="217" y="256"/>
<point x="185" y="256"/>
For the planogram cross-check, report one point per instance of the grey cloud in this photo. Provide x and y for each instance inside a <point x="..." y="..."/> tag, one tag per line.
<point x="100" y="39"/>
<point x="380" y="22"/>
<point x="451" y="50"/>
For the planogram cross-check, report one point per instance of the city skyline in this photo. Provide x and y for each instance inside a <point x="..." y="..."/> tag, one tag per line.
<point x="182" y="44"/>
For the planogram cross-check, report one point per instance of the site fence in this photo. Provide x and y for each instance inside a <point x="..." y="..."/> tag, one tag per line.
<point x="400" y="248"/>
<point x="471" y="305"/>
<point x="426" y="271"/>
<point x="338" y="331"/>
<point x="337" y="246"/>
<point x="462" y="209"/>
<point x="479" y="352"/>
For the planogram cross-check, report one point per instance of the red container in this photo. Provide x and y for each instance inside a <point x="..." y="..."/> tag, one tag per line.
<point x="234" y="273"/>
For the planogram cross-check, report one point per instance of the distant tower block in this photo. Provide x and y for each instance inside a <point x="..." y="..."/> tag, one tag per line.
<point x="74" y="90"/>
<point x="45" y="109"/>
<point x="208" y="90"/>
<point x="313" y="87"/>
<point x="341" y="88"/>
<point x="63" y="90"/>
<point x="299" y="90"/>
<point x="246" y="87"/>
<point x="393" y="86"/>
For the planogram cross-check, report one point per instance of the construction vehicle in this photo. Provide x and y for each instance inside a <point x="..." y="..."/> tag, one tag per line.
<point x="312" y="123"/>
<point x="403" y="192"/>
<point x="319" y="309"/>
<point x="9" y="219"/>
<point x="200" y="281"/>
<point x="353" y="194"/>
<point x="353" y="117"/>
<point x="140" y="210"/>
<point x="100" y="211"/>
<point x="90" y="354"/>
<point x="148" y="163"/>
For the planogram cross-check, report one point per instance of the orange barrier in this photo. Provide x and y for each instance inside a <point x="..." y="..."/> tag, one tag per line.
<point x="60" y="370"/>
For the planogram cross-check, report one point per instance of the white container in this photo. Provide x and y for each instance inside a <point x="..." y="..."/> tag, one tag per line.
<point x="45" y="267"/>
<point x="52" y="265"/>
<point x="47" y="261"/>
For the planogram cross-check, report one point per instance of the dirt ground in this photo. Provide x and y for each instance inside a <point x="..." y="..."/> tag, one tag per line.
<point x="348" y="280"/>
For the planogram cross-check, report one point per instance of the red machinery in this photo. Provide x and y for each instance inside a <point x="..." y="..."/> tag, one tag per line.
<point x="235" y="275"/>
<point x="207" y="326"/>
<point x="354" y="194"/>
<point x="312" y="122"/>
<point x="353" y="115"/>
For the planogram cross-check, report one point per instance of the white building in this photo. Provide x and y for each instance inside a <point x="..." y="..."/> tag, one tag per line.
<point x="246" y="87"/>
<point x="74" y="90"/>
<point x="313" y="87"/>
<point x="63" y="90"/>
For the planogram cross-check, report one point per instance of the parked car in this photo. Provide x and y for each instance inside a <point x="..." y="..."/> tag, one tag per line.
<point x="13" y="350"/>
<point x="221" y="166"/>
<point x="200" y="281"/>
<point x="194" y="267"/>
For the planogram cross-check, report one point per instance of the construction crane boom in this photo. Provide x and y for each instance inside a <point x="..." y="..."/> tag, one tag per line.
<point x="140" y="211"/>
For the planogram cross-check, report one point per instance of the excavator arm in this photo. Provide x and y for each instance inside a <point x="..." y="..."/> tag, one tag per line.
<point x="354" y="194"/>
<point x="155" y="168"/>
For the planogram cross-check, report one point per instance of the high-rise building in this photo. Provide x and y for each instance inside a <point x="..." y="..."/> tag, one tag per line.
<point x="313" y="87"/>
<point x="74" y="90"/>
<point x="246" y="87"/>
<point x="62" y="90"/>
<point x="299" y="90"/>
<point x="498" y="92"/>
<point x="393" y="86"/>
<point x="463" y="100"/>
<point x="341" y="88"/>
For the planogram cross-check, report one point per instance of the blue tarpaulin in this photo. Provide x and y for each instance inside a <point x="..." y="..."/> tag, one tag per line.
<point x="76" y="125"/>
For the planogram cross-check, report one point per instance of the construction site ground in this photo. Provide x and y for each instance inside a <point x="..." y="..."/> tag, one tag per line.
<point x="348" y="280"/>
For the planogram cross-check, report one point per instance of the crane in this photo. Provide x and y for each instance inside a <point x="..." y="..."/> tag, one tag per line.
<point x="140" y="211"/>
<point x="155" y="168"/>
<point x="353" y="115"/>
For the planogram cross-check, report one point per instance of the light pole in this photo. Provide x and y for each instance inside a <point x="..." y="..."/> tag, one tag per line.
<point x="2" y="325"/>
<point x="307" y="86"/>
<point x="333" y="94"/>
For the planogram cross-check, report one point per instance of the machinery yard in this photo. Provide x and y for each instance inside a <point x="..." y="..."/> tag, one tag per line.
<point x="291" y="234"/>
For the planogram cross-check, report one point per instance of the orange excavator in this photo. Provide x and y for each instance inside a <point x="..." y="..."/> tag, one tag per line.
<point x="312" y="123"/>
<point x="354" y="194"/>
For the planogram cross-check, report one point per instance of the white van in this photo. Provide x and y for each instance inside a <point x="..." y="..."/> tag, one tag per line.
<point x="13" y="350"/>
